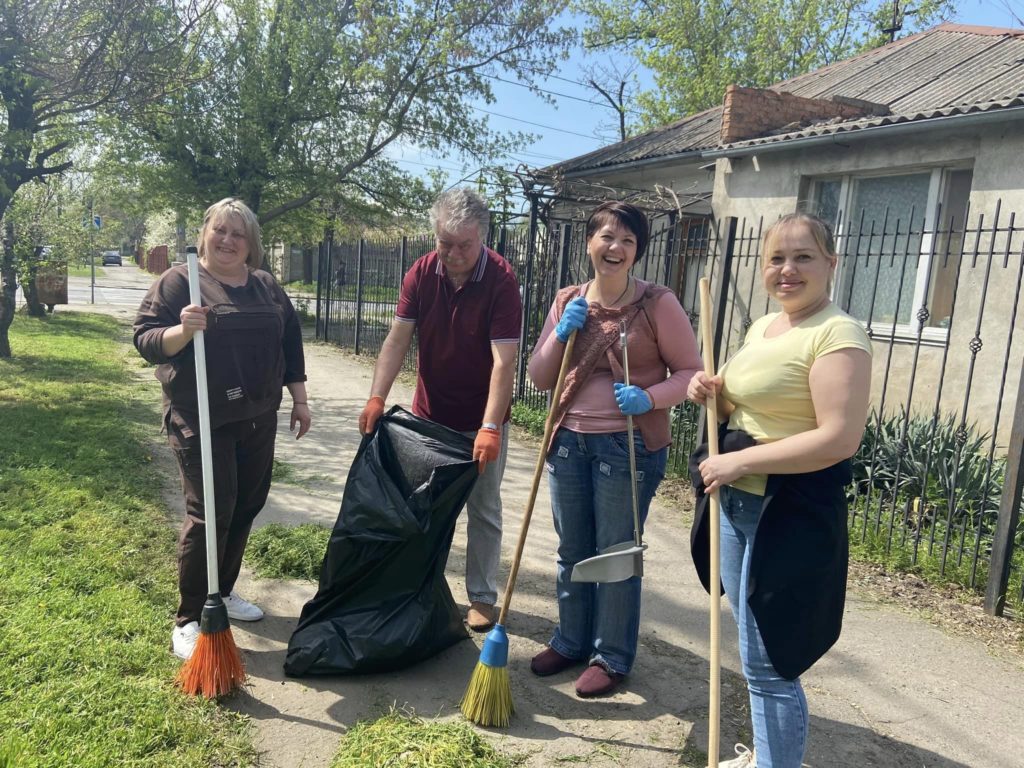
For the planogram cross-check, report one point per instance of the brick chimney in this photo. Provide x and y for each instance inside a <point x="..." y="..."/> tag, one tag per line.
<point x="752" y="112"/>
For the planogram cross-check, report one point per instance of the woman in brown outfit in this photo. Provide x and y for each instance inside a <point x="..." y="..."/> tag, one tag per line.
<point x="253" y="349"/>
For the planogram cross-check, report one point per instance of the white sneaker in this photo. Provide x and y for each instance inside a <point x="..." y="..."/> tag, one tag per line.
<point x="242" y="610"/>
<point x="183" y="640"/>
<point x="744" y="759"/>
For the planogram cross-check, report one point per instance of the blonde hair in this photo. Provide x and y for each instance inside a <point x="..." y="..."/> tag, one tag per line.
<point x="251" y="225"/>
<point x="819" y="229"/>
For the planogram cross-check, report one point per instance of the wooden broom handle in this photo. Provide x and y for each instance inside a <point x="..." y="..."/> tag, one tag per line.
<point x="549" y="425"/>
<point x="714" y="535"/>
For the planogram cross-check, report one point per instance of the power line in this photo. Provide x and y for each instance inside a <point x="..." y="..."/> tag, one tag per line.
<point x="535" y="154"/>
<point x="443" y="167"/>
<point x="538" y="125"/>
<point x="604" y="104"/>
<point x="439" y="166"/>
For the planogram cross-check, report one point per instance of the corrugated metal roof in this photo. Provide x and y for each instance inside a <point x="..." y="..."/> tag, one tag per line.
<point x="949" y="70"/>
<point x="822" y="129"/>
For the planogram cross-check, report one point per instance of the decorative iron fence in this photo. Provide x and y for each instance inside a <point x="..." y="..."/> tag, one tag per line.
<point x="938" y="477"/>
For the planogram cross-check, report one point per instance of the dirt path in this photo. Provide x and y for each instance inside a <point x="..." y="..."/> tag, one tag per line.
<point x="896" y="692"/>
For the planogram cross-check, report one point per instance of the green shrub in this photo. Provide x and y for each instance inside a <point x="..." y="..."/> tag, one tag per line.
<point x="933" y="459"/>
<point x="529" y="418"/>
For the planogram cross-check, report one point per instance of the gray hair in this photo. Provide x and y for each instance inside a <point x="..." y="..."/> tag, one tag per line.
<point x="458" y="208"/>
<point x="223" y="208"/>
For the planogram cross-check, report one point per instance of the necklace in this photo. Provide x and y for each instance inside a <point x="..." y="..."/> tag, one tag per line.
<point x="629" y="280"/>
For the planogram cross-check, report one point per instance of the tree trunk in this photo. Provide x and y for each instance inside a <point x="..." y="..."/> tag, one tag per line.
<point x="8" y="289"/>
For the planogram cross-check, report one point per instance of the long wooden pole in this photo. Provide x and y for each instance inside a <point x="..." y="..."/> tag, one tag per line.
<point x="549" y="427"/>
<point x="714" y="531"/>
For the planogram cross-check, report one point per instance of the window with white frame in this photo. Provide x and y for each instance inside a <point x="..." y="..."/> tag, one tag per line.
<point x="899" y="236"/>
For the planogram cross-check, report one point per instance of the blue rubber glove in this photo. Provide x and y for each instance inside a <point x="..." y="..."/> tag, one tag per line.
<point x="632" y="400"/>
<point x="573" y="318"/>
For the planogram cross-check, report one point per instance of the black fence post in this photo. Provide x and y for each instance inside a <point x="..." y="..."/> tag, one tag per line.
<point x="564" y="255"/>
<point x="359" y="294"/>
<point x="670" y="243"/>
<point x="527" y="288"/>
<point x="319" y="285"/>
<point x="503" y="240"/>
<point x="1009" y="514"/>
<point x="329" y="246"/>
<point x="720" y="288"/>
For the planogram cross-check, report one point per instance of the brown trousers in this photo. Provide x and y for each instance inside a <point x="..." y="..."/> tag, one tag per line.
<point x="243" y="459"/>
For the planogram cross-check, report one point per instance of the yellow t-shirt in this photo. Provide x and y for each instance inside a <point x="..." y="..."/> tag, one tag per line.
<point x="768" y="379"/>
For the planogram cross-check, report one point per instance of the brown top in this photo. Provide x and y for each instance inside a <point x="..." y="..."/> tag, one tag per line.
<point x="253" y="347"/>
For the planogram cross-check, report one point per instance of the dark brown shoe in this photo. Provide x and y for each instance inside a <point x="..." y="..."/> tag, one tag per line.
<point x="480" y="616"/>
<point x="550" y="662"/>
<point x="597" y="681"/>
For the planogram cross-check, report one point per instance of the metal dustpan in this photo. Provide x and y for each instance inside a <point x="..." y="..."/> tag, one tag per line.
<point x="617" y="563"/>
<point x="625" y="560"/>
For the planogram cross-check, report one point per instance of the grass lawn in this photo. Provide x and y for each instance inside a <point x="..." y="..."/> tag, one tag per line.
<point x="87" y="585"/>
<point x="79" y="270"/>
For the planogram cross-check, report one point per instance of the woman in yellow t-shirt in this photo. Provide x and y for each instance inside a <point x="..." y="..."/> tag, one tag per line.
<point x="795" y="396"/>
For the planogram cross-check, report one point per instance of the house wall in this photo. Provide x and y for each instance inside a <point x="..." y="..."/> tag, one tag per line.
<point x="771" y="184"/>
<point x="776" y="182"/>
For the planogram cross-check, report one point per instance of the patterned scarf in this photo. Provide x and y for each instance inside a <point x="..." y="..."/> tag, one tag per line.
<point x="598" y="337"/>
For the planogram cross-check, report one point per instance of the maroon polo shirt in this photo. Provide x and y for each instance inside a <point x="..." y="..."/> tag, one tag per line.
<point x="455" y="329"/>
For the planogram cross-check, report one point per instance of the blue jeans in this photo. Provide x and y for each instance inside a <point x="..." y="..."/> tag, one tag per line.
<point x="592" y="505"/>
<point x="778" y="708"/>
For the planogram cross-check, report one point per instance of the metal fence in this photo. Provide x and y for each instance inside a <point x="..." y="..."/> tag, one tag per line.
<point x="939" y="474"/>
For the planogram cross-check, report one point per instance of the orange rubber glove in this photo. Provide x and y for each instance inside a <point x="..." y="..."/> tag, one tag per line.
<point x="486" y="447"/>
<point x="372" y="411"/>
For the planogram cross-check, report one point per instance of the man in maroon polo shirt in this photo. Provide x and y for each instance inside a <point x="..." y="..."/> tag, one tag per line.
<point x="463" y="302"/>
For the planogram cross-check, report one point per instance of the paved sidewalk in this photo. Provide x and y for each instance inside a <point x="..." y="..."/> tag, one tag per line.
<point x="895" y="692"/>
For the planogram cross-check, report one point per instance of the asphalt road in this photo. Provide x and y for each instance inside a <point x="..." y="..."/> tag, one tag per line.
<point x="115" y="286"/>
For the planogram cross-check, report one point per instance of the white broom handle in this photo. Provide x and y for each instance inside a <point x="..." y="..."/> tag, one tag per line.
<point x="715" y="577"/>
<point x="206" y="448"/>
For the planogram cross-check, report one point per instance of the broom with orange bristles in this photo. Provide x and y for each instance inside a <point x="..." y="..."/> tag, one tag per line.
<point x="215" y="666"/>
<point x="488" y="698"/>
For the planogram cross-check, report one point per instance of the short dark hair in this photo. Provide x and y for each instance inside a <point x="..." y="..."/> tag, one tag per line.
<point x="625" y="214"/>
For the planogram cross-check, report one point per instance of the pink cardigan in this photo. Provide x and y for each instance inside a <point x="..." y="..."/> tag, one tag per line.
<point x="662" y="359"/>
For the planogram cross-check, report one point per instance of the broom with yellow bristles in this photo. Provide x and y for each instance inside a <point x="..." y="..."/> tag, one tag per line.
<point x="215" y="666"/>
<point x="488" y="698"/>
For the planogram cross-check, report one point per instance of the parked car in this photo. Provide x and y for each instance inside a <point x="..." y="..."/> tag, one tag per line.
<point x="111" y="257"/>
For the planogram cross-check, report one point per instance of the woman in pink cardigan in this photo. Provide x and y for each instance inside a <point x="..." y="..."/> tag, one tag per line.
<point x="588" y="459"/>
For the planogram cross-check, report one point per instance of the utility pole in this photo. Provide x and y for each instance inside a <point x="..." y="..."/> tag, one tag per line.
<point x="92" y="252"/>
<point x="897" y="20"/>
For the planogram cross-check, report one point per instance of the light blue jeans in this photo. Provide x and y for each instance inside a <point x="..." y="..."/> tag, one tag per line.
<point x="483" y="528"/>
<point x="778" y="708"/>
<point x="591" y="501"/>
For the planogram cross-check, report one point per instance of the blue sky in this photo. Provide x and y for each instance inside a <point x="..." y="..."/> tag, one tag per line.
<point x="577" y="122"/>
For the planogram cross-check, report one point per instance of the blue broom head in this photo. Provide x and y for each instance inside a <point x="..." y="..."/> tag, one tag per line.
<point x="495" y="650"/>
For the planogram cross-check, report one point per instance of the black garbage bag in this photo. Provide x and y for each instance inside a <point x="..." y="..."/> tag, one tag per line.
<point x="383" y="602"/>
